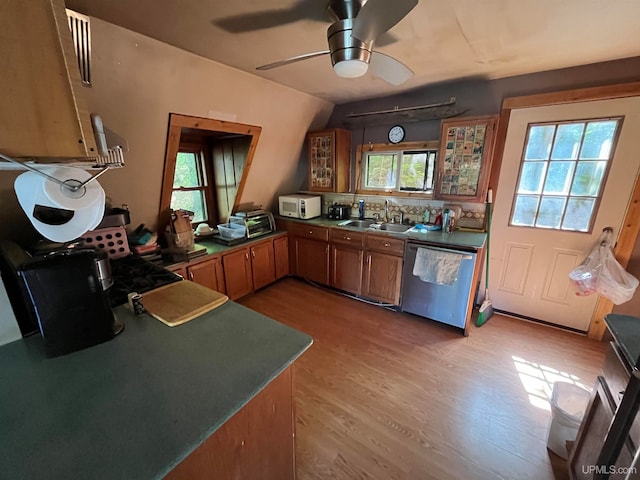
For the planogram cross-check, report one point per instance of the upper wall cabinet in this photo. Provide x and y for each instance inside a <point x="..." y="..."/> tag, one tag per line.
<point x="42" y="111"/>
<point x="329" y="160"/>
<point x="464" y="159"/>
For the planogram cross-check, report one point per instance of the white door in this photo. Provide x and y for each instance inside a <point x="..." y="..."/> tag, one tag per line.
<point x="529" y="265"/>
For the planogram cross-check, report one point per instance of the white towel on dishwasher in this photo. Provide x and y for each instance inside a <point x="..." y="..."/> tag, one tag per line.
<point x="434" y="266"/>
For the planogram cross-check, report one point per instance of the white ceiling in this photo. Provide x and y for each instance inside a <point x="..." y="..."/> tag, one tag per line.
<point x="439" y="40"/>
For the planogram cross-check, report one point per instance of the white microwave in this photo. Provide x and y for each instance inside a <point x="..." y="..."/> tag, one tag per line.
<point x="300" y="206"/>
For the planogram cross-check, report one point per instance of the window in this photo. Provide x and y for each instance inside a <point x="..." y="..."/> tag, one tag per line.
<point x="398" y="170"/>
<point x="189" y="184"/>
<point x="562" y="173"/>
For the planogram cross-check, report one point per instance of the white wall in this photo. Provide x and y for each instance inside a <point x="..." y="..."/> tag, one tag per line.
<point x="138" y="81"/>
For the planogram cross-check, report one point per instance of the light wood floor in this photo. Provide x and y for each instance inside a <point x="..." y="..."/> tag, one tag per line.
<point x="387" y="395"/>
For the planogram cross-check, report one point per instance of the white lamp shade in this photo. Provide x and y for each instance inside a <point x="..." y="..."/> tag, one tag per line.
<point x="351" y="68"/>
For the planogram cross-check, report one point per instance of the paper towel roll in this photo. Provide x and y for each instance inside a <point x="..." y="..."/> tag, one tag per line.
<point x="86" y="204"/>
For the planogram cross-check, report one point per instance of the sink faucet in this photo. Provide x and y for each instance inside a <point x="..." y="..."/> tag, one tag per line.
<point x="386" y="211"/>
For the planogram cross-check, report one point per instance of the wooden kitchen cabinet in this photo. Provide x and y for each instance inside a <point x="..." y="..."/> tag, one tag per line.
<point x="346" y="260"/>
<point x="263" y="264"/>
<point x="310" y="252"/>
<point x="346" y="269"/>
<point x="281" y="256"/>
<point x="329" y="160"/>
<point x="237" y="273"/>
<point x="208" y="273"/>
<point x="464" y="158"/>
<point x="45" y="113"/>
<point x="257" y="442"/>
<point x="382" y="279"/>
<point x="312" y="260"/>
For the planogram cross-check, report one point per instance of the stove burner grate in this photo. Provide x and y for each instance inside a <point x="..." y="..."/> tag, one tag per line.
<point x="135" y="274"/>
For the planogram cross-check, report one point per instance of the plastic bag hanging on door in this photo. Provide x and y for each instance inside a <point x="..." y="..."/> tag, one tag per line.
<point x="601" y="273"/>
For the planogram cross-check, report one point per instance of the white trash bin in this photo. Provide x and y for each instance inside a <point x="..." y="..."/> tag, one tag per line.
<point x="568" y="404"/>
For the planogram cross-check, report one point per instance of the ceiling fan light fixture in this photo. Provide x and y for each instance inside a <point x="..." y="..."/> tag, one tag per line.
<point x="350" y="68"/>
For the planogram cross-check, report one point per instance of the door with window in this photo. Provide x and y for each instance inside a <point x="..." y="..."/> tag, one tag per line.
<point x="567" y="172"/>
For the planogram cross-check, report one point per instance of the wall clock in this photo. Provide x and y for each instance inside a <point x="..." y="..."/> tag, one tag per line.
<point x="396" y="134"/>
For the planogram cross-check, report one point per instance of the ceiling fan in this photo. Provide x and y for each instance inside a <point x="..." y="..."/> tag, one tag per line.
<point x="357" y="24"/>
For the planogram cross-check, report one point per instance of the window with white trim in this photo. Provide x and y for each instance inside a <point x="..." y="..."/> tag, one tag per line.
<point x="562" y="174"/>
<point x="399" y="170"/>
<point x="190" y="184"/>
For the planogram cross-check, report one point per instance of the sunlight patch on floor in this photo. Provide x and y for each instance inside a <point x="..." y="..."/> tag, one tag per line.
<point x="538" y="379"/>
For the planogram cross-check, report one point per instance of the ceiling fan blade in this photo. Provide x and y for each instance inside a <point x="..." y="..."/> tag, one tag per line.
<point x="248" y="22"/>
<point x="389" y="69"/>
<point x="378" y="16"/>
<point x="299" y="58"/>
<point x="385" y="39"/>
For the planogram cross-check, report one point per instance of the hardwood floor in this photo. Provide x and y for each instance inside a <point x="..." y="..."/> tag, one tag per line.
<point x="387" y="395"/>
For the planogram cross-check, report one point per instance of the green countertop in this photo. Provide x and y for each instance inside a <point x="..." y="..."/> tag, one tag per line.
<point x="625" y="330"/>
<point x="135" y="406"/>
<point x="214" y="247"/>
<point x="438" y="238"/>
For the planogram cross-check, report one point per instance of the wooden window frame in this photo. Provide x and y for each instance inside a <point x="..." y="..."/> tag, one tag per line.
<point x="177" y="123"/>
<point x="408" y="147"/>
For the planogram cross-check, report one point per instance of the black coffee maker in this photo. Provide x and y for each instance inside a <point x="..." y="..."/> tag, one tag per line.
<point x="63" y="293"/>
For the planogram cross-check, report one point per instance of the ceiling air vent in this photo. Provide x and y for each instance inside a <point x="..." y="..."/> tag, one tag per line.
<point x="81" y="35"/>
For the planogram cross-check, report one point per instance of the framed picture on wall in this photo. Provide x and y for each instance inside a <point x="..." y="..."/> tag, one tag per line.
<point x="464" y="160"/>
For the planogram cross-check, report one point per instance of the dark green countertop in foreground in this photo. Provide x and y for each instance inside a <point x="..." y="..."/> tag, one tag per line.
<point x="135" y="406"/>
<point x="625" y="330"/>
<point x="437" y="238"/>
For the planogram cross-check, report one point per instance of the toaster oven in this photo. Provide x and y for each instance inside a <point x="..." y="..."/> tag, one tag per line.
<point x="257" y="222"/>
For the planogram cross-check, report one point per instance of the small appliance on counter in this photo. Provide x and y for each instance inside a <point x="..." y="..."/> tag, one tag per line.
<point x="300" y="206"/>
<point x="339" y="211"/>
<point x="64" y="293"/>
<point x="256" y="222"/>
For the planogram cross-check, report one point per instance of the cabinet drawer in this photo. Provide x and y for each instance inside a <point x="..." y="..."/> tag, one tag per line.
<point x="384" y="244"/>
<point x="347" y="237"/>
<point x="309" y="231"/>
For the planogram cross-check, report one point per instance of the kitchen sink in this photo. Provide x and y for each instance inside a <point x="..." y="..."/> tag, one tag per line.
<point x="357" y="223"/>
<point x="394" y="227"/>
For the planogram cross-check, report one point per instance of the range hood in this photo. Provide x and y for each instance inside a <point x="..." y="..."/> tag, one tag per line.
<point x="44" y="116"/>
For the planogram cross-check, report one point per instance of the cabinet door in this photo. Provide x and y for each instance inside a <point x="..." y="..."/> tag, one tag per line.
<point x="382" y="277"/>
<point x="237" y="273"/>
<point x="312" y="260"/>
<point x="346" y="269"/>
<point x="464" y="158"/>
<point x="208" y="273"/>
<point x="180" y="270"/>
<point x="329" y="160"/>
<point x="262" y="264"/>
<point x="281" y="254"/>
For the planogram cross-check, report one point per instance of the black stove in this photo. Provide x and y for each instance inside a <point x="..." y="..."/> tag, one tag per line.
<point x="135" y="274"/>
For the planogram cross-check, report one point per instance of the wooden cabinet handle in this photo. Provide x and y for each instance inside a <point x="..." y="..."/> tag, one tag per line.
<point x="190" y="275"/>
<point x="386" y="244"/>
<point x="310" y="232"/>
<point x="347" y="238"/>
<point x="253" y="253"/>
<point x="246" y="256"/>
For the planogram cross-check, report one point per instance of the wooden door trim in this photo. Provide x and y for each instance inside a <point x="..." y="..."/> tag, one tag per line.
<point x="631" y="224"/>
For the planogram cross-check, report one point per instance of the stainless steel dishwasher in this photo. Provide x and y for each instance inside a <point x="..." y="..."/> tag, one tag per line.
<point x="445" y="303"/>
